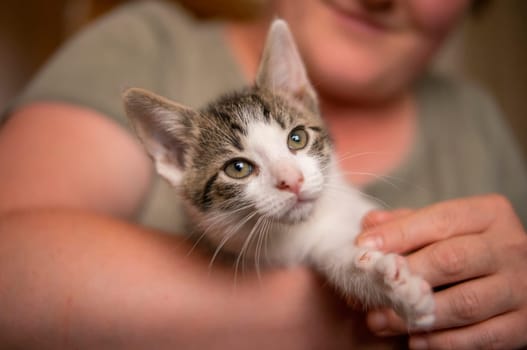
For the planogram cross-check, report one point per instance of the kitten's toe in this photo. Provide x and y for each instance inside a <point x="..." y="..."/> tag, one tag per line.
<point x="367" y="259"/>
<point x="420" y="311"/>
<point x="412" y="297"/>
<point x="393" y="269"/>
<point x="422" y="323"/>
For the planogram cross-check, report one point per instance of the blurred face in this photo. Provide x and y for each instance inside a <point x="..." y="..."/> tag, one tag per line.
<point x="368" y="50"/>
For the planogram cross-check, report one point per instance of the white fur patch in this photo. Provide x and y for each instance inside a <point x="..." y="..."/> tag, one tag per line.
<point x="266" y="146"/>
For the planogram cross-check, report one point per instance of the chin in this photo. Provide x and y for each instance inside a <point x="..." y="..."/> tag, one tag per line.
<point x="357" y="77"/>
<point x="345" y="65"/>
<point x="300" y="212"/>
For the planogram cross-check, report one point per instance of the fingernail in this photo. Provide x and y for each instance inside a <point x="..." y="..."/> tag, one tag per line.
<point x="418" y="343"/>
<point x="373" y="242"/>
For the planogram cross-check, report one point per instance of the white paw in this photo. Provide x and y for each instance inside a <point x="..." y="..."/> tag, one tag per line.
<point x="411" y="296"/>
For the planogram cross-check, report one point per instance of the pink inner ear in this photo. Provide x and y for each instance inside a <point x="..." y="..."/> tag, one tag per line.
<point x="281" y="67"/>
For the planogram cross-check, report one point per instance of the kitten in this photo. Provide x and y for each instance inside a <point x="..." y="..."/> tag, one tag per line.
<point x="258" y="175"/>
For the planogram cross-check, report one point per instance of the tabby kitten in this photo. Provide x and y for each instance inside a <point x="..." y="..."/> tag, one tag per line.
<point x="258" y="175"/>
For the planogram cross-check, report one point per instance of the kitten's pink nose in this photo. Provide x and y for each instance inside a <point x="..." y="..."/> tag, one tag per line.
<point x="291" y="180"/>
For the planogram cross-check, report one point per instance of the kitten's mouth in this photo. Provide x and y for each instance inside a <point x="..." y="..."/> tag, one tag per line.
<point x="299" y="211"/>
<point x="301" y="202"/>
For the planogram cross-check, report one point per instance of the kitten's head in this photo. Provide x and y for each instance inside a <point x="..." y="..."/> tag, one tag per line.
<point x="264" y="150"/>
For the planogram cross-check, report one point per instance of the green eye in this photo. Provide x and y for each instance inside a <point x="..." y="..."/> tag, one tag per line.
<point x="238" y="169"/>
<point x="297" y="139"/>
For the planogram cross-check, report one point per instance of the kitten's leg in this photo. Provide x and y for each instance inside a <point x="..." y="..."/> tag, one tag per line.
<point x="378" y="279"/>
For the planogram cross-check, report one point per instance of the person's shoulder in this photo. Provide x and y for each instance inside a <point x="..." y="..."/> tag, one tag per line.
<point x="468" y="140"/>
<point x="454" y="91"/>
<point x="158" y="10"/>
<point x="158" y="17"/>
<point x="458" y="101"/>
<point x="465" y="115"/>
<point x="487" y="144"/>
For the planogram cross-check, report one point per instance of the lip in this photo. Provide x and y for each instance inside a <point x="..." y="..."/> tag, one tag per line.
<point x="355" y="19"/>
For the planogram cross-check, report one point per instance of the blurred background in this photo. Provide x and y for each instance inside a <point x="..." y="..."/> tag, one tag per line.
<point x="490" y="47"/>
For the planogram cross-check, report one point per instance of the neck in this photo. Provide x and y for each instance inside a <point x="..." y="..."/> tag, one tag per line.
<point x="246" y="40"/>
<point x="371" y="140"/>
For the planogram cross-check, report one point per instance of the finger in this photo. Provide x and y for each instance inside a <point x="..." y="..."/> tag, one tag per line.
<point x="439" y="221"/>
<point x="377" y="217"/>
<point x="385" y="323"/>
<point x="453" y="260"/>
<point x="472" y="302"/>
<point x="506" y="331"/>
<point x="467" y="303"/>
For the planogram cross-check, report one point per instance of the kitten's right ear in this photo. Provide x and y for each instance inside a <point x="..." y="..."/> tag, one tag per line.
<point x="281" y="67"/>
<point x="164" y="127"/>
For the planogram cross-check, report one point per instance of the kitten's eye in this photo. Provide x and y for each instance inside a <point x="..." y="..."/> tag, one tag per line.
<point x="238" y="169"/>
<point x="297" y="139"/>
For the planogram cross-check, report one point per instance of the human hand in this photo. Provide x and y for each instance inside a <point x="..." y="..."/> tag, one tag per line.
<point x="473" y="251"/>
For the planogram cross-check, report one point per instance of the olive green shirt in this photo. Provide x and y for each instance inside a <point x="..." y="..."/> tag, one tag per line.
<point x="463" y="146"/>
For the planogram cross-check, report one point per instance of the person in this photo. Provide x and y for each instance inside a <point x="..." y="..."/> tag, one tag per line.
<point x="86" y="263"/>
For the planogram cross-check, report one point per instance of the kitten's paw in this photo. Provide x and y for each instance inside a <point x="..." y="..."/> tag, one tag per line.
<point x="411" y="296"/>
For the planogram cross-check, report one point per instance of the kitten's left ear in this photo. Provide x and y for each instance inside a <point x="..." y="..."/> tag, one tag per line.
<point x="164" y="127"/>
<point x="281" y="67"/>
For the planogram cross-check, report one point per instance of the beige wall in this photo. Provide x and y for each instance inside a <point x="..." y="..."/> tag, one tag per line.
<point x="495" y="55"/>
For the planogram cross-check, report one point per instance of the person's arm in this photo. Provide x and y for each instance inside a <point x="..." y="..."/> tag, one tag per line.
<point x="64" y="156"/>
<point x="75" y="274"/>
<point x="474" y="251"/>
<point x="73" y="279"/>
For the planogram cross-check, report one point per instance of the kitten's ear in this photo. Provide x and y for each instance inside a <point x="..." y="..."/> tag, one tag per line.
<point x="164" y="127"/>
<point x="281" y="67"/>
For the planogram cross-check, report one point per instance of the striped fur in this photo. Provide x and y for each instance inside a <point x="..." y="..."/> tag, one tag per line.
<point x="291" y="200"/>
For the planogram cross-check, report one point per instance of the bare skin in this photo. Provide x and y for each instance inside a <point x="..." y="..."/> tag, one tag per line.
<point x="74" y="279"/>
<point x="476" y="248"/>
<point x="75" y="274"/>
<point x="56" y="155"/>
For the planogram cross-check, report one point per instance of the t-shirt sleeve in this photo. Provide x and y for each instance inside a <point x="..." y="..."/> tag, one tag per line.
<point x="494" y="158"/>
<point x="464" y="148"/>
<point x="509" y="162"/>
<point x="154" y="45"/>
<point x="118" y="51"/>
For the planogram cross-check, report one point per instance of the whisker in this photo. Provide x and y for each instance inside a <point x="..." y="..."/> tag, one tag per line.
<point x="245" y="247"/>
<point x="260" y="234"/>
<point x="266" y="239"/>
<point x="215" y="220"/>
<point x="383" y="178"/>
<point x="338" y="191"/>
<point x="228" y="236"/>
<point x="350" y="155"/>
<point x="264" y="232"/>
<point x="204" y="233"/>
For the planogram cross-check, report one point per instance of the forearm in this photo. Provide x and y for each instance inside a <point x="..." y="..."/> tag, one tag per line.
<point x="78" y="280"/>
<point x="72" y="279"/>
